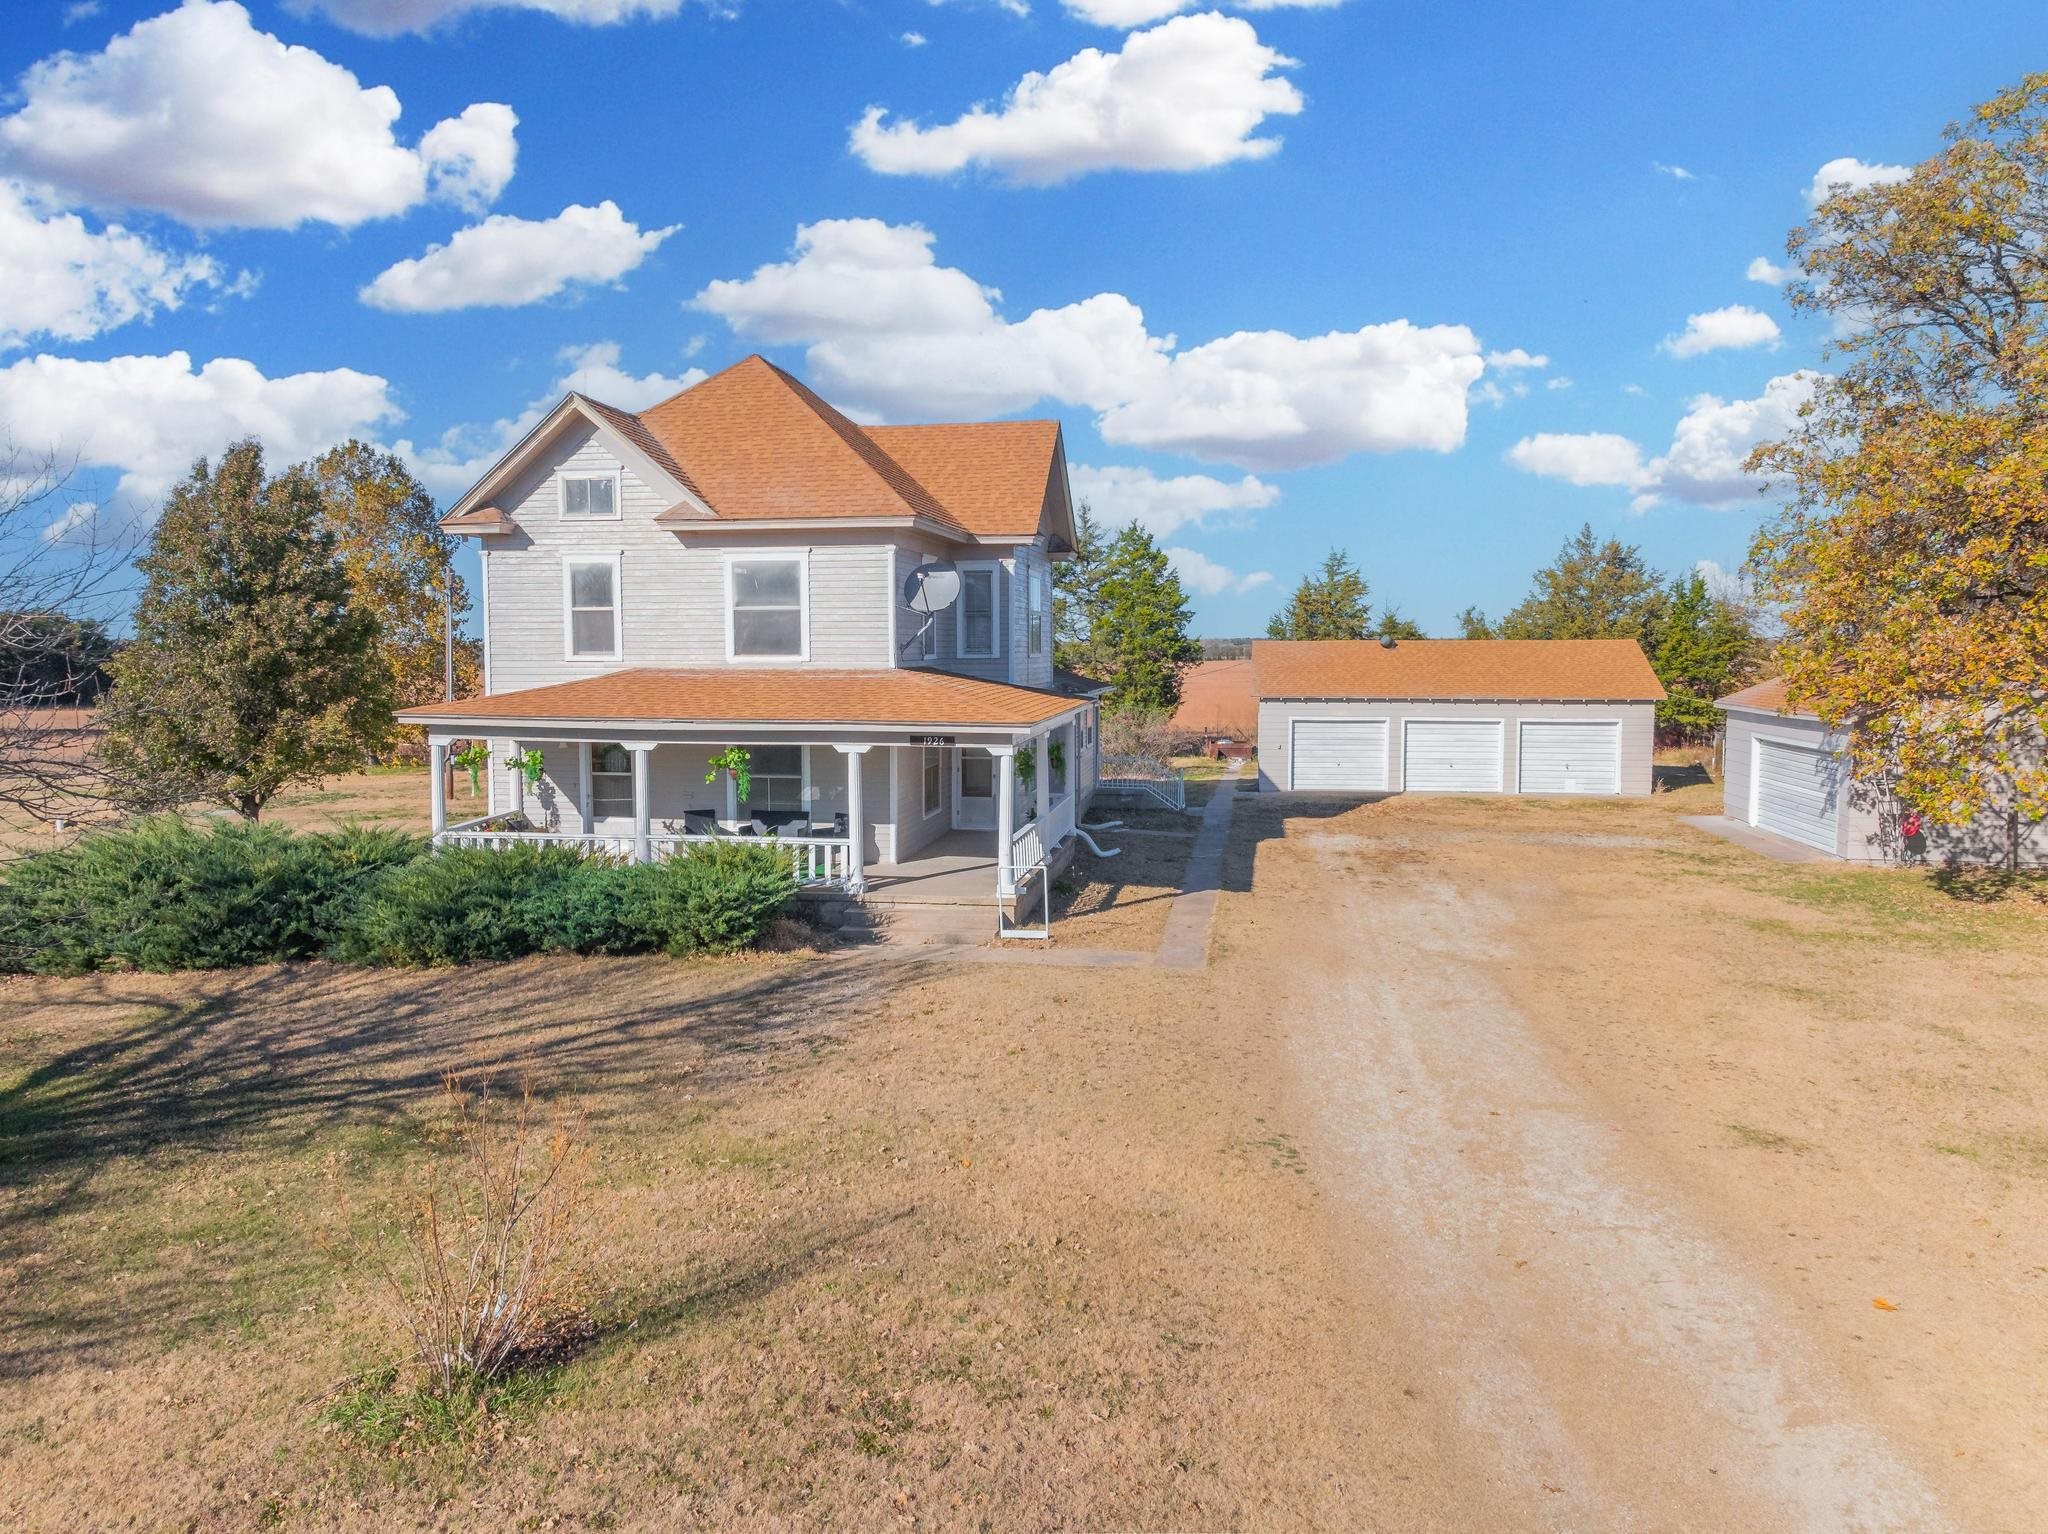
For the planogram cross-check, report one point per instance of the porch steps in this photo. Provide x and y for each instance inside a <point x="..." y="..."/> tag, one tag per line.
<point x="904" y="923"/>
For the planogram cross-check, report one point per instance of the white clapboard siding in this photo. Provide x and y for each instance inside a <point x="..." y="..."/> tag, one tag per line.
<point x="1340" y="754"/>
<point x="1570" y="756"/>
<point x="1452" y="756"/>
<point x="1798" y="793"/>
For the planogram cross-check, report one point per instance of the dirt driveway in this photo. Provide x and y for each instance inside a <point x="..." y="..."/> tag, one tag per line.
<point x="1596" y="1105"/>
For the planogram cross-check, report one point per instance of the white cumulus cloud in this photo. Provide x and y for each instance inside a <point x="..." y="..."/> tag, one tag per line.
<point x="389" y="18"/>
<point x="1764" y="269"/>
<point x="1515" y="359"/>
<point x="198" y="115"/>
<point x="888" y="332"/>
<point x="504" y="262"/>
<point x="1205" y="577"/>
<point x="1119" y="494"/>
<point x="1702" y="466"/>
<point x="463" y="454"/>
<point x="150" y="417"/>
<point x="1126" y="14"/>
<point x="1849" y="174"/>
<point x="60" y="279"/>
<point x="1188" y="95"/>
<point x="1730" y="329"/>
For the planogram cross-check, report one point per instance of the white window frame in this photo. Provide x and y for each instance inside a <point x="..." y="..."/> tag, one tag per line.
<point x="931" y="770"/>
<point x="618" y="649"/>
<point x="1034" y="614"/>
<point x="994" y="567"/>
<point x="801" y="558"/>
<point x="591" y="775"/>
<point x="618" y="482"/>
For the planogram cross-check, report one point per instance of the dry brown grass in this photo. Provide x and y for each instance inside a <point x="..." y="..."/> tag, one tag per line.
<point x="887" y="1251"/>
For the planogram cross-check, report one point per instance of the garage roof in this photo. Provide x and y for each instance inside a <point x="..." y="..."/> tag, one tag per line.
<point x="1558" y="670"/>
<point x="1766" y="697"/>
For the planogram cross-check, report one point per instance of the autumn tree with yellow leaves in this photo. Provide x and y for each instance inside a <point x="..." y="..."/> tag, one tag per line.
<point x="1912" y="559"/>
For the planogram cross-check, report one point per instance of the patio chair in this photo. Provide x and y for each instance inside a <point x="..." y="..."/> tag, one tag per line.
<point x="699" y="823"/>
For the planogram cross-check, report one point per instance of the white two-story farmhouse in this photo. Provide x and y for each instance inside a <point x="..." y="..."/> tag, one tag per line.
<point x="729" y="568"/>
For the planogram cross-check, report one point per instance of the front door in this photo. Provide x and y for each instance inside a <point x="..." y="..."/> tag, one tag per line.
<point x="974" y="790"/>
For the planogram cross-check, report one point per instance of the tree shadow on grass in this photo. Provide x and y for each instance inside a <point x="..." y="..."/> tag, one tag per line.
<point x="1991" y="886"/>
<point x="281" y="1057"/>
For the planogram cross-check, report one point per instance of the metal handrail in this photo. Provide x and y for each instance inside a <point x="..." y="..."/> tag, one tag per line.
<point x="1043" y="931"/>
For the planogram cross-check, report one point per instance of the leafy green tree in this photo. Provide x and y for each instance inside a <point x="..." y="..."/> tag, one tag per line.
<point x="1593" y="590"/>
<point x="1331" y="604"/>
<point x="1705" y="647"/>
<point x="1077" y="597"/>
<point x="251" y="667"/>
<point x="1140" y="637"/>
<point x="1912" y="560"/>
<point x="400" y="567"/>
<point x="1472" y="624"/>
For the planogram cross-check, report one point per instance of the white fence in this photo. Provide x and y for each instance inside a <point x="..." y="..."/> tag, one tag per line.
<point x="817" y="861"/>
<point x="1035" y="839"/>
<point x="1144" y="775"/>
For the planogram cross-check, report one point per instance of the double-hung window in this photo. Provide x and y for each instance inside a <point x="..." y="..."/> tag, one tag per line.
<point x="611" y="782"/>
<point x="590" y="497"/>
<point x="776" y="792"/>
<point x="934" y="793"/>
<point x="1034" y="614"/>
<point x="765" y="608"/>
<point x="590" y="600"/>
<point x="978" y="637"/>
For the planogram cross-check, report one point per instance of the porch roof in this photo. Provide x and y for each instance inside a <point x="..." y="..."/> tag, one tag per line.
<point x="894" y="699"/>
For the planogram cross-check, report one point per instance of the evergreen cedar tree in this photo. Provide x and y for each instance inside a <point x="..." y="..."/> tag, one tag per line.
<point x="1121" y="615"/>
<point x="251" y="667"/>
<point x="1701" y="645"/>
<point x="1912" y="558"/>
<point x="1333" y="604"/>
<point x="400" y="568"/>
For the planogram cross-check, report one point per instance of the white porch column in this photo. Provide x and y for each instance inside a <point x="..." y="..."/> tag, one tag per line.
<point x="437" y="797"/>
<point x="642" y="795"/>
<point x="856" y="819"/>
<point x="518" y="784"/>
<point x="1041" y="753"/>
<point x="732" y="799"/>
<point x="1006" y="818"/>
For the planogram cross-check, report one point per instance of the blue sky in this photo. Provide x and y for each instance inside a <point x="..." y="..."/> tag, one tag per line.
<point x="1270" y="266"/>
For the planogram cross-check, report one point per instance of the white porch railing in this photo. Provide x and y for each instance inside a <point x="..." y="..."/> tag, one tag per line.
<point x="816" y="861"/>
<point x="1036" y="839"/>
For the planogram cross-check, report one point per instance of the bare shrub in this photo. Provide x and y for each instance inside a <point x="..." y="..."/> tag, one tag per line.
<point x="1139" y="732"/>
<point x="486" y="1284"/>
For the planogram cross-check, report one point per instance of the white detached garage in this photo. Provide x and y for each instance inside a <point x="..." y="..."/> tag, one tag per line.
<point x="1455" y="716"/>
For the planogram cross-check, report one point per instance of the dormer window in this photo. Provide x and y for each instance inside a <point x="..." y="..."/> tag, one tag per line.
<point x="590" y="497"/>
<point x="978" y="637"/>
<point x="765" y="613"/>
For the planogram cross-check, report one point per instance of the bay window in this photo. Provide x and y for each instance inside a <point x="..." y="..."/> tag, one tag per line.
<point x="978" y="637"/>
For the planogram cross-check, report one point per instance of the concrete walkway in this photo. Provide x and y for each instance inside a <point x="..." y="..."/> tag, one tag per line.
<point x="1185" y="943"/>
<point x="1750" y="839"/>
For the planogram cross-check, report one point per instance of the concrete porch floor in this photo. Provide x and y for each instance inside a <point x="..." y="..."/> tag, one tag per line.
<point x="957" y="869"/>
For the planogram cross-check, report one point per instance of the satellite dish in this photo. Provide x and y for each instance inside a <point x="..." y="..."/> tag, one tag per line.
<point x="931" y="589"/>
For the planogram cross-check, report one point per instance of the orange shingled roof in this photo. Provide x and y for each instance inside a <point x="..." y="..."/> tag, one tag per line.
<point x="485" y="519"/>
<point x="1589" y="670"/>
<point x="1768" y="696"/>
<point x="758" y="445"/>
<point x="992" y="475"/>
<point x="751" y="695"/>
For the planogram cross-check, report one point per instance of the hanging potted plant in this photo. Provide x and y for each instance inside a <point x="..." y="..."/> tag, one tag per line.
<point x="471" y="758"/>
<point x="530" y="765"/>
<point x="735" y="760"/>
<point x="1056" y="756"/>
<point x="1027" y="775"/>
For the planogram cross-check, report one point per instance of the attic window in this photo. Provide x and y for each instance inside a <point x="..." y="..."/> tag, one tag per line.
<point x="590" y="497"/>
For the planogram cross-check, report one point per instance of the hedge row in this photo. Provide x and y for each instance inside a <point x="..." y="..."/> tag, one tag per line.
<point x="165" y="895"/>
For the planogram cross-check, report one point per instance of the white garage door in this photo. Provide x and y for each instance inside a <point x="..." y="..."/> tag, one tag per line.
<point x="1451" y="756"/>
<point x="1570" y="756"/>
<point x="1796" y="793"/>
<point x="1340" y="753"/>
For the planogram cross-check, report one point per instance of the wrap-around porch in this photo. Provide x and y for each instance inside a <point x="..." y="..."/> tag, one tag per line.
<point x="935" y="819"/>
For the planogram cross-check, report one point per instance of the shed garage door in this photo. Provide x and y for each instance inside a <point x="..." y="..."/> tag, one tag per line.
<point x="1570" y="756"/>
<point x="1346" y="754"/>
<point x="1451" y="756"/>
<point x="1796" y="793"/>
